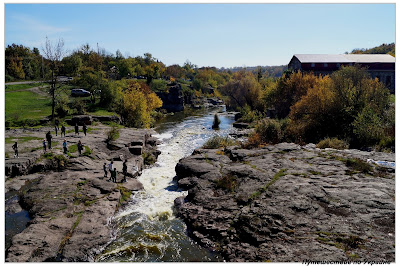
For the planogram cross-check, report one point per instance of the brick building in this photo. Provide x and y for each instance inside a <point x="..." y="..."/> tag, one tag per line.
<point x="381" y="66"/>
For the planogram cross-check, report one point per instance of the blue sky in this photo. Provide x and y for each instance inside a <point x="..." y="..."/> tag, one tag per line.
<point x="221" y="35"/>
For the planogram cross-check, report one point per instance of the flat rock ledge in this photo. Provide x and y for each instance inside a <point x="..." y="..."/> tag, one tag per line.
<point x="287" y="203"/>
<point x="71" y="210"/>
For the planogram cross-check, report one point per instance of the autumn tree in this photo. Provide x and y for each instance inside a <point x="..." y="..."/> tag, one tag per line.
<point x="138" y="102"/>
<point x="288" y="90"/>
<point x="243" y="90"/>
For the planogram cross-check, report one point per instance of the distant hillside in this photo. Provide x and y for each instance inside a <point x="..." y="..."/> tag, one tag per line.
<point x="382" y="49"/>
<point x="271" y="71"/>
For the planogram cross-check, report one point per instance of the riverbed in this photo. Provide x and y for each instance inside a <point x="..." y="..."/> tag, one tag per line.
<point x="147" y="229"/>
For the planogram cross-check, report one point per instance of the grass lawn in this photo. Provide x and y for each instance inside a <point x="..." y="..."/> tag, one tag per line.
<point x="102" y="112"/>
<point x="11" y="140"/>
<point x="26" y="104"/>
<point x="24" y="86"/>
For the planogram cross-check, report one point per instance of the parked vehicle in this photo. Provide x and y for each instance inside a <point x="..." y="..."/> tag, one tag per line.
<point x="80" y="93"/>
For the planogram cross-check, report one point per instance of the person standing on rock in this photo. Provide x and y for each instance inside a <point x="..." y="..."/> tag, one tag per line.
<point x="44" y="145"/>
<point x="80" y="147"/>
<point x="84" y="128"/>
<point x="15" y="148"/>
<point x="76" y="129"/>
<point x="114" y="175"/>
<point x="110" y="168"/>
<point x="65" y="146"/>
<point x="125" y="170"/>
<point x="105" y="169"/>
<point x="55" y="129"/>
<point x="56" y="124"/>
<point x="62" y="130"/>
<point x="49" y="137"/>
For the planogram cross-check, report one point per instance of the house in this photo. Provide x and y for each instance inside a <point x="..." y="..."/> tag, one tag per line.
<point x="381" y="66"/>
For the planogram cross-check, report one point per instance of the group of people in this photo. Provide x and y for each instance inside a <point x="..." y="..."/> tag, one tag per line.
<point x="113" y="171"/>
<point x="47" y="140"/>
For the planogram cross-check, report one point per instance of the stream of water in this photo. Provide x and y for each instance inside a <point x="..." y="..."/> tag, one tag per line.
<point x="147" y="230"/>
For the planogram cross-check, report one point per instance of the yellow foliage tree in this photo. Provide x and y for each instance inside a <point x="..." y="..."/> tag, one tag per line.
<point x="137" y="106"/>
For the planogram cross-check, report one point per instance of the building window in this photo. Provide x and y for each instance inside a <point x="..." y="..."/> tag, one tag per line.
<point x="312" y="64"/>
<point x="325" y="65"/>
<point x="338" y="65"/>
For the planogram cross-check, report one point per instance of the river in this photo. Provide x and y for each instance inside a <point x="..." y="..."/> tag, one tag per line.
<point x="146" y="229"/>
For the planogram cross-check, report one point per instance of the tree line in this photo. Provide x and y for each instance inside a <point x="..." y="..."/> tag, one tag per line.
<point x="348" y="104"/>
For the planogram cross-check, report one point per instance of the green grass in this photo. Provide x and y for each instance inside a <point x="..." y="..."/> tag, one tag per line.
<point x="26" y="105"/>
<point x="10" y="88"/>
<point x="102" y="112"/>
<point x="11" y="140"/>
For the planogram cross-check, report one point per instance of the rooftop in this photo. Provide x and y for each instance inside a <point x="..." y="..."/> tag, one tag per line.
<point x="345" y="58"/>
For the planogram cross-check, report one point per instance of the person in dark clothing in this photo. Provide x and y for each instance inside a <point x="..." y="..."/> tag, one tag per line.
<point x="62" y="130"/>
<point x="110" y="168"/>
<point x="114" y="175"/>
<point x="125" y="170"/>
<point x="49" y="137"/>
<point x="84" y="128"/>
<point x="55" y="129"/>
<point x="57" y="124"/>
<point x="76" y="129"/>
<point x="15" y="148"/>
<point x="105" y="169"/>
<point x="65" y="146"/>
<point x="44" y="145"/>
<point x="80" y="147"/>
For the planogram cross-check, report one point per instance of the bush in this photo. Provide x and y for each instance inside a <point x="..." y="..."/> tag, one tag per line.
<point x="148" y="158"/>
<point x="79" y="107"/>
<point x="216" y="122"/>
<point x="217" y="142"/>
<point x="248" y="115"/>
<point x="269" y="131"/>
<point x="368" y="128"/>
<point x="227" y="182"/>
<point x="113" y="134"/>
<point x="333" y="143"/>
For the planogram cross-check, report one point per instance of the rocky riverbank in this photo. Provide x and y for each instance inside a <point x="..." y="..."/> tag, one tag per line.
<point x="69" y="200"/>
<point x="287" y="203"/>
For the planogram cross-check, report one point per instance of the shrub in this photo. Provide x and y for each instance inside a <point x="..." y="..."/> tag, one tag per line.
<point x="217" y="142"/>
<point x="216" y="122"/>
<point x="148" y="158"/>
<point x="333" y="143"/>
<point x="269" y="131"/>
<point x="113" y="134"/>
<point x="227" y="182"/>
<point x="358" y="165"/>
<point x="61" y="161"/>
<point x="368" y="128"/>
<point x="79" y="106"/>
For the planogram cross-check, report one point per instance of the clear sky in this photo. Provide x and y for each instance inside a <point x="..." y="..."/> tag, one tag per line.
<point x="221" y="35"/>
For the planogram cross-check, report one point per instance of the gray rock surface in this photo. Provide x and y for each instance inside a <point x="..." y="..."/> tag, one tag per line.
<point x="71" y="209"/>
<point x="287" y="203"/>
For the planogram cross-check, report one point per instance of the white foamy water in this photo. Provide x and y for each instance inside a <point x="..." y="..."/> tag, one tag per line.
<point x="147" y="227"/>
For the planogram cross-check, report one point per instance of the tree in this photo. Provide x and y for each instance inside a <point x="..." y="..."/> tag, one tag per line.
<point x="138" y="102"/>
<point x="53" y="53"/>
<point x="243" y="90"/>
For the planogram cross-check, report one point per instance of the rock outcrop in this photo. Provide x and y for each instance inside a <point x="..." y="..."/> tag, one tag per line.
<point x="173" y="100"/>
<point x="71" y="209"/>
<point x="287" y="203"/>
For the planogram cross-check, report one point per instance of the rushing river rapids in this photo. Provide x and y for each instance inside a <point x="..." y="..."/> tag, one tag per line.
<point x="147" y="229"/>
